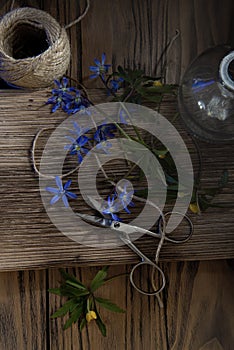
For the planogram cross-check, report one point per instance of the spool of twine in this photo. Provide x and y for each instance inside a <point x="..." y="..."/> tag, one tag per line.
<point x="34" y="48"/>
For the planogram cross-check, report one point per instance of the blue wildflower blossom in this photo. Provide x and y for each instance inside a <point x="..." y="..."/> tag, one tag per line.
<point x="111" y="208"/>
<point x="104" y="146"/>
<point x="61" y="96"/>
<point x="77" y="131"/>
<point x="100" y="69"/>
<point x="125" y="198"/>
<point x="61" y="192"/>
<point x="77" y="103"/>
<point x="77" y="147"/>
<point x="115" y="84"/>
<point x="104" y="131"/>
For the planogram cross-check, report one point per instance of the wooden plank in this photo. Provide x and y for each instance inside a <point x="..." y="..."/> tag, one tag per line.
<point x="23" y="323"/>
<point x="36" y="243"/>
<point x="136" y="35"/>
<point x="198" y="311"/>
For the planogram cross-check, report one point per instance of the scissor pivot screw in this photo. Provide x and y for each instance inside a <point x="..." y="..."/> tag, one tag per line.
<point x="116" y="224"/>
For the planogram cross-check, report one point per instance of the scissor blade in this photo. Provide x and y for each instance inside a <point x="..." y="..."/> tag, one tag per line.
<point x="126" y="228"/>
<point x="95" y="220"/>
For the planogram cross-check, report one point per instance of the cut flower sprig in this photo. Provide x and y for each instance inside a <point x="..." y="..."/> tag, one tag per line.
<point x="83" y="304"/>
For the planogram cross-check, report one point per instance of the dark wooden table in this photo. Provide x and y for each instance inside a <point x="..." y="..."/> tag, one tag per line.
<point x="198" y="307"/>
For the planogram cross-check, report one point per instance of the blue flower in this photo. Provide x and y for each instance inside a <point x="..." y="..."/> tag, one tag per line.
<point x="77" y="147"/>
<point x="122" y="117"/>
<point x="61" y="192"/>
<point x="115" y="84"/>
<point x="111" y="208"/>
<point x="104" y="146"/>
<point x="104" y="131"/>
<point x="100" y="69"/>
<point x="77" y="131"/>
<point x="78" y="103"/>
<point x="125" y="198"/>
<point x="61" y="96"/>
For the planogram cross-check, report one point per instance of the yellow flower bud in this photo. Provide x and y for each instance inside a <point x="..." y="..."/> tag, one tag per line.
<point x="162" y="156"/>
<point x="194" y="208"/>
<point x="91" y="315"/>
<point x="157" y="83"/>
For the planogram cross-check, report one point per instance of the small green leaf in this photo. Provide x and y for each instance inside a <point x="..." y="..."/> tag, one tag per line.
<point x="64" y="309"/>
<point x="224" y="178"/>
<point x="67" y="277"/>
<point x="56" y="291"/>
<point x="75" y="315"/>
<point x="98" y="280"/>
<point x="100" y="324"/>
<point x="69" y="291"/>
<point x="82" y="323"/>
<point x="109" y="305"/>
<point x="75" y="285"/>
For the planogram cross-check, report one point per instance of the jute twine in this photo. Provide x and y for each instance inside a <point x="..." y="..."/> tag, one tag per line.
<point x="27" y="29"/>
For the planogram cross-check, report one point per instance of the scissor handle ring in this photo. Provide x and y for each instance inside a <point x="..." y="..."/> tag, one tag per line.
<point x="191" y="228"/>
<point x="141" y="290"/>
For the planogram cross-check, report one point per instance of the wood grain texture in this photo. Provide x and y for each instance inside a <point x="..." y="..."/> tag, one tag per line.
<point x="23" y="323"/>
<point x="38" y="243"/>
<point x="198" y="311"/>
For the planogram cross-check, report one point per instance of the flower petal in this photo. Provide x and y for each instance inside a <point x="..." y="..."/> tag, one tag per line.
<point x="59" y="183"/>
<point x="67" y="184"/>
<point x="52" y="190"/>
<point x="71" y="195"/>
<point x="65" y="201"/>
<point x="55" y="199"/>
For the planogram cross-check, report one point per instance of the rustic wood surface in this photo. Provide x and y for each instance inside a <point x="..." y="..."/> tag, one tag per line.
<point x="198" y="311"/>
<point x="38" y="243"/>
<point x="199" y="308"/>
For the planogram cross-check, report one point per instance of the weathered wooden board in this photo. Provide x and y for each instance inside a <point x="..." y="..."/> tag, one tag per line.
<point x="29" y="239"/>
<point x="198" y="311"/>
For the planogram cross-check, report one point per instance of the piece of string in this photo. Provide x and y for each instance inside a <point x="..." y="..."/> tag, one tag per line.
<point x="35" y="167"/>
<point x="80" y="17"/>
<point x="167" y="50"/>
<point x="12" y="5"/>
<point x="73" y="22"/>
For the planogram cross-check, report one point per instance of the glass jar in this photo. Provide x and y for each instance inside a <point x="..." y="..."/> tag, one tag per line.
<point x="206" y="95"/>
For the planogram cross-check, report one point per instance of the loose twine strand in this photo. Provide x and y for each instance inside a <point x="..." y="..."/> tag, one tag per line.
<point x="80" y="17"/>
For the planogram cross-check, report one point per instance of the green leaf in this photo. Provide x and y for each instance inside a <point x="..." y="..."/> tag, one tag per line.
<point x="224" y="178"/>
<point x="82" y="323"/>
<point x="64" y="309"/>
<point x="99" y="279"/>
<point x="100" y="324"/>
<point x="109" y="305"/>
<point x="67" y="277"/>
<point x="75" y="285"/>
<point x="56" y="291"/>
<point x="69" y="291"/>
<point x="158" y="152"/>
<point x="75" y="315"/>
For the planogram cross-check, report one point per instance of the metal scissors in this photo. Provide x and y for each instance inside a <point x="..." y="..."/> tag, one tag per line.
<point x="125" y="230"/>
